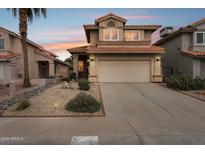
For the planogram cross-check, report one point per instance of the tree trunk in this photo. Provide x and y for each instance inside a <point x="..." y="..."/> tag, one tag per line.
<point x="23" y="33"/>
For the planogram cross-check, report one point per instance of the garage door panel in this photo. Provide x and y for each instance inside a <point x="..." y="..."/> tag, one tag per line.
<point x="124" y="71"/>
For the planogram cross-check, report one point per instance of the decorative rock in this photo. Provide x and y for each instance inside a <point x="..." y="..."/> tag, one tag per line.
<point x="34" y="92"/>
<point x="65" y="85"/>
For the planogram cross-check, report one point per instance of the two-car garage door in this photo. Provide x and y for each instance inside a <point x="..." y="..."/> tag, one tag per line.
<point x="124" y="71"/>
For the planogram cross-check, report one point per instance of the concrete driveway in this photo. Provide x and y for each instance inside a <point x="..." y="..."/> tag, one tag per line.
<point x="148" y="99"/>
<point x="156" y="114"/>
<point x="136" y="113"/>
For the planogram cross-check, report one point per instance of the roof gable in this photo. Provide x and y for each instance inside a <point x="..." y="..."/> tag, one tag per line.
<point x="175" y="33"/>
<point x="189" y="28"/>
<point x="29" y="42"/>
<point x="110" y="15"/>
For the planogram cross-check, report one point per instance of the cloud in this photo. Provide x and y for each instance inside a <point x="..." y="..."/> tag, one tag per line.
<point x="123" y="15"/>
<point x="140" y="17"/>
<point x="75" y="31"/>
<point x="59" y="47"/>
<point x="71" y="34"/>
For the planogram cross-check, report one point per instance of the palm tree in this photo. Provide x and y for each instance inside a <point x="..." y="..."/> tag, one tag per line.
<point x="26" y="15"/>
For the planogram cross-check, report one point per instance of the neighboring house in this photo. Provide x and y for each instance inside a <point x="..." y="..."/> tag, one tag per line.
<point x="118" y="52"/>
<point x="42" y="63"/>
<point x="185" y="50"/>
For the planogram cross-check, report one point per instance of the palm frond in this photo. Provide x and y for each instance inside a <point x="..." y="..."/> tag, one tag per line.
<point x="14" y="11"/>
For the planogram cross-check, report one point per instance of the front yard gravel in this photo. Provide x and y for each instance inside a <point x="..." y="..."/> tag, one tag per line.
<point x="52" y="103"/>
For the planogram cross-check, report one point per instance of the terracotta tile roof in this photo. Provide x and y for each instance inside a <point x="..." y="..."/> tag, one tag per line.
<point x="126" y="50"/>
<point x="62" y="62"/>
<point x="90" y="26"/>
<point x="175" y="33"/>
<point x="151" y="27"/>
<point x="194" y="54"/>
<point x="108" y="16"/>
<point x="196" y="23"/>
<point x="82" y="49"/>
<point x="8" y="56"/>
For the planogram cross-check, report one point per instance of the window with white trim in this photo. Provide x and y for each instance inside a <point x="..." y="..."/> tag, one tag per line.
<point x="111" y="34"/>
<point x="132" y="35"/>
<point x="2" y="43"/>
<point x="200" y="38"/>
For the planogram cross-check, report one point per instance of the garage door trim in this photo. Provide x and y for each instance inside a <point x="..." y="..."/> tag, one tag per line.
<point x="136" y="59"/>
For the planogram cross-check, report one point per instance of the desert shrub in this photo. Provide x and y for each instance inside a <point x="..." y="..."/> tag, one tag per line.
<point x="183" y="82"/>
<point x="83" y="84"/>
<point x="23" y="104"/>
<point x="83" y="103"/>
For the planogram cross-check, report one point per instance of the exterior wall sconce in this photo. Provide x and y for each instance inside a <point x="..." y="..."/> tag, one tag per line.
<point x="157" y="59"/>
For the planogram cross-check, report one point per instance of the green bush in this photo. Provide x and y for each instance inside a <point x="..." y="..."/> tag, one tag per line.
<point x="23" y="104"/>
<point x="198" y="84"/>
<point x="83" y="84"/>
<point x="83" y="103"/>
<point x="183" y="82"/>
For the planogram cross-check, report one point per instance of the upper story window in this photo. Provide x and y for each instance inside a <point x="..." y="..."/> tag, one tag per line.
<point x="2" y="43"/>
<point x="111" y="34"/>
<point x="110" y="24"/>
<point x="132" y="35"/>
<point x="200" y="38"/>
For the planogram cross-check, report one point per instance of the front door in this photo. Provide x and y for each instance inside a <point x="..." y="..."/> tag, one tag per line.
<point x="43" y="69"/>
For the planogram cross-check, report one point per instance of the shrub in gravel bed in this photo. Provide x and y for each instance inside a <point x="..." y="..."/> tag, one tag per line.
<point x="83" y="84"/>
<point x="183" y="82"/>
<point x="23" y="104"/>
<point x="83" y="103"/>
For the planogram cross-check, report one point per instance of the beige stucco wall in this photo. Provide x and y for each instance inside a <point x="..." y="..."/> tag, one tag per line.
<point x="37" y="58"/>
<point x="173" y="58"/>
<point x="202" y="67"/>
<point x="7" y="72"/>
<point x="144" y="35"/>
<point x="103" y="25"/>
<point x="147" y="35"/>
<point x="94" y="65"/>
<point x="64" y="71"/>
<point x="75" y="64"/>
<point x="94" y="37"/>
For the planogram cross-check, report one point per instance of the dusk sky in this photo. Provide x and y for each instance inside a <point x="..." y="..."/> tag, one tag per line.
<point x="63" y="28"/>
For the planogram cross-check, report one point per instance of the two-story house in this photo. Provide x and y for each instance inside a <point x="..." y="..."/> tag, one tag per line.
<point x="185" y="50"/>
<point x="42" y="63"/>
<point x="118" y="52"/>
